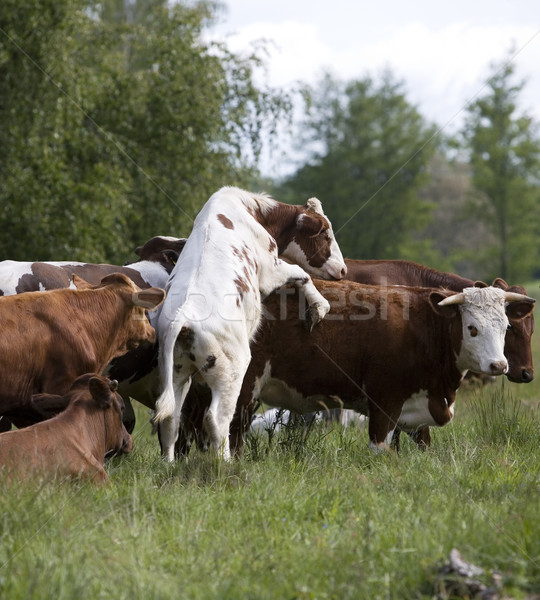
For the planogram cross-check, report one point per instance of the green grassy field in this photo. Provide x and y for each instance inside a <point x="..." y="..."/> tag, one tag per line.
<point x="314" y="518"/>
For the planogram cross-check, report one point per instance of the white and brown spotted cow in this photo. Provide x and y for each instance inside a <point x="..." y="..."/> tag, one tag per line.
<point x="157" y="259"/>
<point x="213" y="304"/>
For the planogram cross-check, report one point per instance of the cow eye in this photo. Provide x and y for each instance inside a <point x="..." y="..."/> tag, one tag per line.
<point x="473" y="330"/>
<point x="509" y="327"/>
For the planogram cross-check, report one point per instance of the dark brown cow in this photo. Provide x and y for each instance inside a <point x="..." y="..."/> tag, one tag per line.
<point x="517" y="347"/>
<point x="379" y="347"/>
<point x="47" y="339"/>
<point x="73" y="443"/>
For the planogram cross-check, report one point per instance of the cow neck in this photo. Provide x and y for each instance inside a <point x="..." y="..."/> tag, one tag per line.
<point x="280" y="222"/>
<point x="426" y="276"/>
<point x="448" y="357"/>
<point x="112" y="319"/>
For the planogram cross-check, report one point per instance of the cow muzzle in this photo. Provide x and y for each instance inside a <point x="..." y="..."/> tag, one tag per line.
<point x="498" y="367"/>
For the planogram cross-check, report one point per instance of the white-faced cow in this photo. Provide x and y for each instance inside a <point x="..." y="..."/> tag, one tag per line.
<point x="47" y="339"/>
<point x="517" y="345"/>
<point x="379" y="347"/>
<point x="213" y="303"/>
<point x="73" y="443"/>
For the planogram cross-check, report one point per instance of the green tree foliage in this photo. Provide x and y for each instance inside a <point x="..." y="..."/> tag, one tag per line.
<point x="504" y="152"/>
<point x="369" y="148"/>
<point x="453" y="241"/>
<point x="117" y="122"/>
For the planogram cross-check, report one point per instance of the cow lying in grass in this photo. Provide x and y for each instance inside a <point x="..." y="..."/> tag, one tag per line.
<point x="75" y="442"/>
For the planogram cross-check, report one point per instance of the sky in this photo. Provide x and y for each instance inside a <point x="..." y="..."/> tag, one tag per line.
<point x="442" y="51"/>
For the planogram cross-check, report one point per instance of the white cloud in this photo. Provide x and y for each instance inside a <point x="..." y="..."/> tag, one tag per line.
<point x="442" y="65"/>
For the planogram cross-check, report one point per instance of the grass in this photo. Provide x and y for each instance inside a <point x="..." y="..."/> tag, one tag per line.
<point x="299" y="517"/>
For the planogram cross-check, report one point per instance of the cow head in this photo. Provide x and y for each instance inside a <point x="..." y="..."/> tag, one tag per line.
<point x="517" y="343"/>
<point x="106" y="398"/>
<point x="163" y="250"/>
<point x="136" y="302"/>
<point x="313" y="245"/>
<point x="483" y="325"/>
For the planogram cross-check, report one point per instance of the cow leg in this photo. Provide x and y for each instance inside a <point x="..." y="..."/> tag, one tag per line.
<point x="422" y="438"/>
<point x="225" y="392"/>
<point x="128" y="416"/>
<point x="168" y="427"/>
<point x="240" y="425"/>
<point x="191" y="430"/>
<point x="395" y="439"/>
<point x="5" y="424"/>
<point x="383" y="418"/>
<point x="318" y="305"/>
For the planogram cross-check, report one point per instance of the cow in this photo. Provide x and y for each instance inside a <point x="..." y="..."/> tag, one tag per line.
<point x="73" y="443"/>
<point x="273" y="419"/>
<point x="157" y="258"/>
<point x="213" y="303"/>
<point x="47" y="339"/>
<point x="379" y="347"/>
<point x="517" y="348"/>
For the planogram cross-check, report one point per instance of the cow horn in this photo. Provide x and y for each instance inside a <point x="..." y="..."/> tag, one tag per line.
<point x="515" y="297"/>
<point x="454" y="299"/>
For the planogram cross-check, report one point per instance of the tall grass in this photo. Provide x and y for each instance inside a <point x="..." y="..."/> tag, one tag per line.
<point x="314" y="516"/>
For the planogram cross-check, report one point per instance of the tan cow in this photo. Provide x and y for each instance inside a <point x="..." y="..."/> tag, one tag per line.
<point x="75" y="442"/>
<point x="47" y="339"/>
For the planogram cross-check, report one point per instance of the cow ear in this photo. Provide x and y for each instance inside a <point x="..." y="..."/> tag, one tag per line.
<point x="101" y="392"/>
<point x="519" y="309"/>
<point x="150" y="298"/>
<point x="449" y="311"/>
<point x="311" y="223"/>
<point x="170" y="256"/>
<point x="480" y="284"/>
<point x="500" y="283"/>
<point x="80" y="283"/>
<point x="314" y="205"/>
<point x="117" y="278"/>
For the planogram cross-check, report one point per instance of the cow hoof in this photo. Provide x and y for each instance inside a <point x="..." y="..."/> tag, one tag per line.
<point x="314" y="314"/>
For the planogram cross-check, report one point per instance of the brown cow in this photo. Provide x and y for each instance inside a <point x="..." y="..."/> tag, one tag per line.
<point x="73" y="443"/>
<point x="517" y="348"/>
<point x="517" y="345"/>
<point x="47" y="339"/>
<point x="378" y="348"/>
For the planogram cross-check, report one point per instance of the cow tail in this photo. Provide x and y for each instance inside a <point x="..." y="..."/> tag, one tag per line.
<point x="166" y="402"/>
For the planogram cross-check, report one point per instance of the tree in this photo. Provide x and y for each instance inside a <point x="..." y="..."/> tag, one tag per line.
<point x="453" y="240"/>
<point x="117" y="122"/>
<point x="369" y="148"/>
<point x="504" y="151"/>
